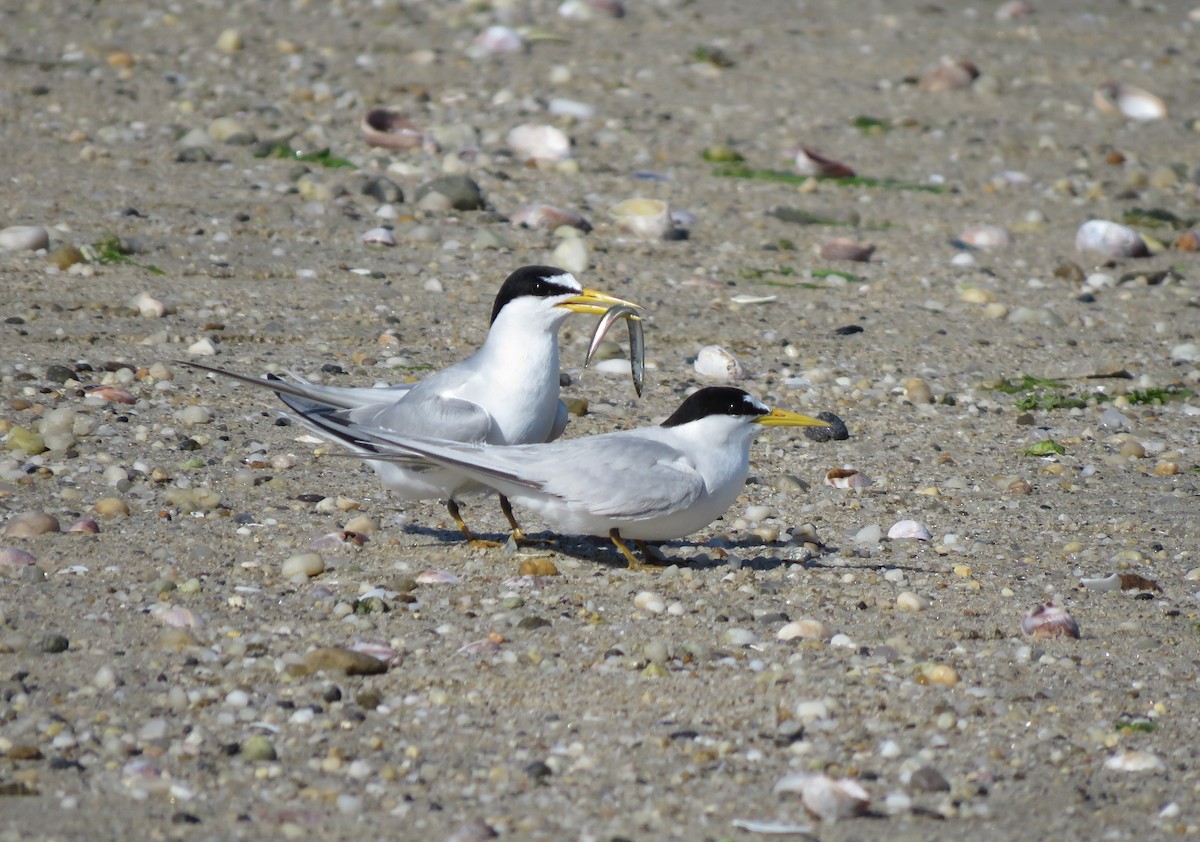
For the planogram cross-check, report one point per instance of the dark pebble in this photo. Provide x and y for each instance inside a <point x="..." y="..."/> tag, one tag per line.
<point x="929" y="779"/>
<point x="59" y="373"/>
<point x="464" y="194"/>
<point x="383" y="189"/>
<point x="332" y="693"/>
<point x="530" y="623"/>
<point x="836" y="431"/>
<point x="848" y="330"/>
<point x="538" y="771"/>
<point x="193" y="155"/>
<point x="52" y="644"/>
<point x="185" y="818"/>
<point x="368" y="699"/>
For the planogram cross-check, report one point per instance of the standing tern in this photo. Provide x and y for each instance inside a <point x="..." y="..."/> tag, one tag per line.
<point x="648" y="484"/>
<point x="506" y="393"/>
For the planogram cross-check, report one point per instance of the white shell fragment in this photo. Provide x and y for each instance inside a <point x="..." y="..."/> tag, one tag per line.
<point x="1048" y="621"/>
<point x="825" y="797"/>
<point x="437" y="577"/>
<point x="1135" y="761"/>
<point x="535" y="142"/>
<point x="24" y="238"/>
<point x="498" y="39"/>
<point x="802" y="629"/>
<point x="715" y="363"/>
<point x="986" y="237"/>
<point x="379" y="237"/>
<point x="1111" y="582"/>
<point x="810" y="162"/>
<point x="908" y="529"/>
<point x="1110" y="238"/>
<point x="1121" y="100"/>
<point x="148" y="306"/>
<point x="646" y="219"/>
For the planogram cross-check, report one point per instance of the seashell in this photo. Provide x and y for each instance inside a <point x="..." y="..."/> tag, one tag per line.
<point x="986" y="237"/>
<point x="30" y="525"/>
<point x="537" y="142"/>
<point x="379" y="651"/>
<point x="908" y="529"/>
<point x="847" y="478"/>
<point x="910" y="602"/>
<point x="149" y="306"/>
<point x="917" y="390"/>
<point x="646" y="219"/>
<point x="588" y="9"/>
<point x="498" y="39"/>
<point x="24" y="238"/>
<point x="1135" y="761"/>
<point x="1111" y="239"/>
<point x="715" y="363"/>
<point x="548" y="217"/>
<point x="179" y="618"/>
<point x="1013" y="9"/>
<point x="1121" y="100"/>
<point x="390" y="130"/>
<point x="85" y="525"/>
<point x="844" y="248"/>
<point x="116" y="394"/>
<point x="480" y="647"/>
<point x="1050" y="620"/>
<point x="951" y="74"/>
<point x="16" y="557"/>
<point x="1107" y="583"/>
<point x="379" y="237"/>
<point x="437" y="577"/>
<point x="744" y="300"/>
<point x="811" y="162"/>
<point x="802" y="629"/>
<point x="826" y="798"/>
<point x="336" y="540"/>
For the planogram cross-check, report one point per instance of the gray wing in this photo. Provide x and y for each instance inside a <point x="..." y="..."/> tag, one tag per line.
<point x="620" y="474"/>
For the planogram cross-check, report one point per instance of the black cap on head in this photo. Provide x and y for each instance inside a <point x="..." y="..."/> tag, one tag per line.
<point x="716" y="400"/>
<point x="538" y="281"/>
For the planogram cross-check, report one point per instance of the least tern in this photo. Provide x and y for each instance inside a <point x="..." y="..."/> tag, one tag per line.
<point x="506" y="393"/>
<point x="648" y="484"/>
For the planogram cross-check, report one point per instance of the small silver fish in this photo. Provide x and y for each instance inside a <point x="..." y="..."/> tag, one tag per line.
<point x="637" y="341"/>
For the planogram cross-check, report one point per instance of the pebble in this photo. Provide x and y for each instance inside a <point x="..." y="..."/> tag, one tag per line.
<point x="942" y="674"/>
<point x="231" y="131"/>
<point x="52" y="644"/>
<point x="303" y="564"/>
<point x="572" y="254"/>
<point x="105" y="678"/>
<point x="230" y="41"/>
<point x="458" y="192"/>
<point x="31" y="524"/>
<point x="148" y="306"/>
<point x="802" y="629"/>
<point x="929" y="779"/>
<point x="911" y="602"/>
<point x="869" y="535"/>
<point x="537" y="567"/>
<point x="908" y="529"/>
<point x="25" y="441"/>
<point x="111" y="507"/>
<point x="16" y="557"/>
<point x="739" y="637"/>
<point x="650" y="601"/>
<point x="338" y="659"/>
<point x="836" y="431"/>
<point x="24" y="238"/>
<point x="259" y="748"/>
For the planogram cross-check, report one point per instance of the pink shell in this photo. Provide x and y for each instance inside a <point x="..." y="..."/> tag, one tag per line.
<point x="949" y="75"/>
<point x="335" y="540"/>
<point x="437" y="577"/>
<point x="85" y="525"/>
<point x="16" y="557"/>
<point x="548" y="217"/>
<point x="116" y="394"/>
<point x="390" y="130"/>
<point x="1050" y="620"/>
<point x="379" y="651"/>
<point x="843" y="248"/>
<point x="847" y="478"/>
<point x="986" y="237"/>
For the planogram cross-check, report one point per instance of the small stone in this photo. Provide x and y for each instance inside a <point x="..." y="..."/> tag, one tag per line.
<point x="461" y="192"/>
<point x="26" y="441"/>
<point x="177" y="640"/>
<point x="572" y="254"/>
<point x="917" y="390"/>
<point x="303" y="564"/>
<point x="66" y="256"/>
<point x="942" y="674"/>
<point x="537" y="567"/>
<point x="338" y="659"/>
<point x="231" y="131"/>
<point x="533" y="623"/>
<point x="836" y="431"/>
<point x="258" y="748"/>
<point x="929" y="779"/>
<point x="230" y="41"/>
<point x="802" y="629"/>
<point x="111" y="507"/>
<point x="911" y="602"/>
<point x="52" y="644"/>
<point x="1133" y="449"/>
<point x="24" y="238"/>
<point x="383" y="189"/>
<point x="30" y="525"/>
<point x="739" y="637"/>
<point x="650" y="601"/>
